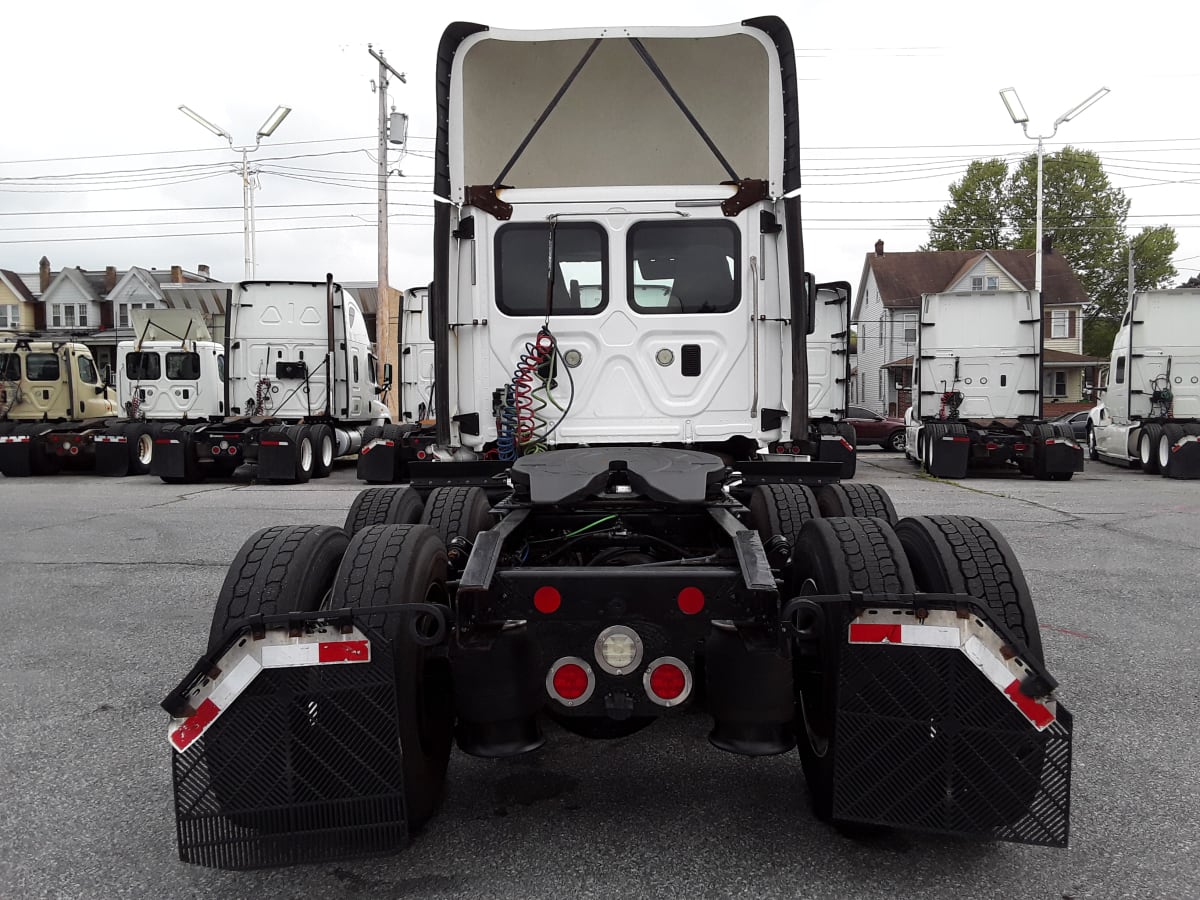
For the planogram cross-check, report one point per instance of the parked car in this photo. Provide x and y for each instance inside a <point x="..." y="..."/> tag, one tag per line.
<point x="1078" y="422"/>
<point x="872" y="428"/>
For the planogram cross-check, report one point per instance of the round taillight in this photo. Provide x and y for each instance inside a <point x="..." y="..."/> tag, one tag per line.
<point x="570" y="681"/>
<point x="420" y="454"/>
<point x="74" y="451"/>
<point x="547" y="599"/>
<point x="216" y="451"/>
<point x="233" y="449"/>
<point x="668" y="681"/>
<point x="690" y="600"/>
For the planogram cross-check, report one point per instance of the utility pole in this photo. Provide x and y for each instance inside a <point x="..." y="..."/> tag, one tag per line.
<point x="385" y="346"/>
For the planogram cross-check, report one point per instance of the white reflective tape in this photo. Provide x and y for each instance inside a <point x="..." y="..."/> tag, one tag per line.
<point x="283" y="656"/>
<point x="230" y="684"/>
<point x="15" y="439"/>
<point x="931" y="636"/>
<point x="112" y="439"/>
<point x="991" y="666"/>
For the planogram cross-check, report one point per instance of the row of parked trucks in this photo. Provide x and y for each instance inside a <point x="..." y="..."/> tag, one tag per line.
<point x="618" y="269"/>
<point x="292" y="387"/>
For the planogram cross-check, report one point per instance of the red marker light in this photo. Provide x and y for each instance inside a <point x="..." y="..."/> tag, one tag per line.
<point x="547" y="599"/>
<point x="690" y="600"/>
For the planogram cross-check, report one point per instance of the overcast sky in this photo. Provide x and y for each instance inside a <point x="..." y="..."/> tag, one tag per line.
<point x="98" y="167"/>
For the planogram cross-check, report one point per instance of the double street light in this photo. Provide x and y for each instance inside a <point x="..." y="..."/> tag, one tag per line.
<point x="265" y="130"/>
<point x="1020" y="117"/>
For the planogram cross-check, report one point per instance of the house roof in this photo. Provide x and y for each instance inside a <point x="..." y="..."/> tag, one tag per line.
<point x="14" y="283"/>
<point x="903" y="277"/>
<point x="86" y="285"/>
<point x="1062" y="358"/>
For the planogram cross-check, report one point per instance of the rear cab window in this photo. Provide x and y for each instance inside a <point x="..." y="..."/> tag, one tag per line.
<point x="684" y="267"/>
<point x="579" y="273"/>
<point x="143" y="366"/>
<point x="42" y="367"/>
<point x="182" y="366"/>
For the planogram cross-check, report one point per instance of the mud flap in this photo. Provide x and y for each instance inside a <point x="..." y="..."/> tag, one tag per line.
<point x="276" y="456"/>
<point x="833" y="447"/>
<point x="170" y="455"/>
<point x="381" y="461"/>
<point x="1061" y="456"/>
<point x="1185" y="458"/>
<point x="931" y="734"/>
<point x="16" y="455"/>
<point x="305" y="766"/>
<point x="950" y="452"/>
<point x="112" y="454"/>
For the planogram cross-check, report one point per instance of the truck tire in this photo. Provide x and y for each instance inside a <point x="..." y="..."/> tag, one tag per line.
<point x="278" y="569"/>
<point x="40" y="462"/>
<point x="860" y="500"/>
<point x="396" y="564"/>
<point x="455" y="512"/>
<point x="140" y="441"/>
<point x="384" y="506"/>
<point x="836" y="556"/>
<point x="781" y="509"/>
<point x="1167" y="437"/>
<point x="303" y="457"/>
<point x="929" y="434"/>
<point x="1092" y="448"/>
<point x="965" y="555"/>
<point x="1148" y="448"/>
<point x="324" y="450"/>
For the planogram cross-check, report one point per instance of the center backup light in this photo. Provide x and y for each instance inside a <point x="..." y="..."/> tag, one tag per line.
<point x="618" y="650"/>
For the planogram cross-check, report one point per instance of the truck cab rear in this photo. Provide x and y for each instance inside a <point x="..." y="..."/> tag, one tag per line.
<point x="1149" y="416"/>
<point x="977" y="398"/>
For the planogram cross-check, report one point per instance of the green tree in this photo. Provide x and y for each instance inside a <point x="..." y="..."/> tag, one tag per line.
<point x="976" y="217"/>
<point x="1083" y="215"/>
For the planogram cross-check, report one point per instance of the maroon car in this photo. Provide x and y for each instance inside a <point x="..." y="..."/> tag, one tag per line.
<point x="872" y="428"/>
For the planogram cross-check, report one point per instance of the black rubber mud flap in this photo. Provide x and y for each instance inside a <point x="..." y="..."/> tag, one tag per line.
<point x="170" y="455"/>
<point x="112" y="452"/>
<point x="925" y="741"/>
<point x="836" y="444"/>
<point x="949" y="451"/>
<point x="276" y="456"/>
<point x="381" y="459"/>
<point x="16" y="454"/>
<point x="342" y="793"/>
<point x="1184" y="461"/>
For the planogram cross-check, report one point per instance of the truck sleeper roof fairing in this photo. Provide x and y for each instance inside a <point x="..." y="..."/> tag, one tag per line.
<point x="616" y="106"/>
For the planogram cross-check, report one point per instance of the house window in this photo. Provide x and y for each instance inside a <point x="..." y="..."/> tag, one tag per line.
<point x="977" y="282"/>
<point x="10" y="315"/>
<point x="123" y="318"/>
<point x="1057" y="383"/>
<point x="68" y="315"/>
<point x="1060" y="323"/>
<point x="993" y="283"/>
<point x="910" y="329"/>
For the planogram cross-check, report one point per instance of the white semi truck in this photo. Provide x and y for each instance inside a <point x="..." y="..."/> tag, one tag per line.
<point x="1149" y="414"/>
<point x="640" y="284"/>
<point x="292" y="387"/>
<point x="977" y="389"/>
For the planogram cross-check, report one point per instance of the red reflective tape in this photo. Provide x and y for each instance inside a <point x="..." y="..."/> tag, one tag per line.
<point x="875" y="634"/>
<point x="343" y="651"/>
<point x="1032" y="710"/>
<point x="195" y="724"/>
<point x="274" y="443"/>
<point x="959" y="439"/>
<point x="165" y="441"/>
<point x="846" y="444"/>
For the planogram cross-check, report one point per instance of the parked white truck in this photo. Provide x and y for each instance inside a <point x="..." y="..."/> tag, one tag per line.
<point x="1149" y="414"/>
<point x="292" y="387"/>
<point x="831" y="439"/>
<point x="643" y="284"/>
<point x="977" y="389"/>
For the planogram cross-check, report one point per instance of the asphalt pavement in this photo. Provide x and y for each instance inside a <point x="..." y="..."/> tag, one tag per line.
<point x="106" y="596"/>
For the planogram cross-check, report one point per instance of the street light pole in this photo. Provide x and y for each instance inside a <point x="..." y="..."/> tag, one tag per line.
<point x="265" y="130"/>
<point x="1013" y="103"/>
